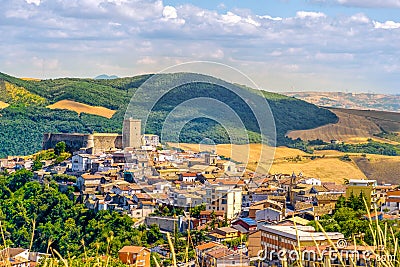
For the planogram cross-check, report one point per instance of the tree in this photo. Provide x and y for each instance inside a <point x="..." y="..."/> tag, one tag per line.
<point x="37" y="165"/>
<point x="60" y="148"/>
<point x="344" y="214"/>
<point x="195" y="211"/>
<point x="153" y="234"/>
<point x="19" y="178"/>
<point x="341" y="203"/>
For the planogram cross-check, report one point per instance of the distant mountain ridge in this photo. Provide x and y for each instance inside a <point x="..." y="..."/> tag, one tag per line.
<point x="380" y="102"/>
<point x="106" y="77"/>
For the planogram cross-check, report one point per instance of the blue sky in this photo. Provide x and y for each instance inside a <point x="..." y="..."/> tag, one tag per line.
<point x="288" y="8"/>
<point x="283" y="45"/>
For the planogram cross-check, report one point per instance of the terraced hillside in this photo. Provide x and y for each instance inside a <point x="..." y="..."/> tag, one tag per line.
<point x="354" y="126"/>
<point x="387" y="121"/>
<point x="380" y="168"/>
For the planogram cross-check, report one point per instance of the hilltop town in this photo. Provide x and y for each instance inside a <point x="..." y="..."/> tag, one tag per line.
<point x="240" y="217"/>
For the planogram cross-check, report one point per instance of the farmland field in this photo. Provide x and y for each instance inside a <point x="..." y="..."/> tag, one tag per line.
<point x="350" y="127"/>
<point x="327" y="165"/>
<point x="82" y="108"/>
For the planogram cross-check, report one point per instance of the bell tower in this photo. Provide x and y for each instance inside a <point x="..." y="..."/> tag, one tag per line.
<point x="131" y="133"/>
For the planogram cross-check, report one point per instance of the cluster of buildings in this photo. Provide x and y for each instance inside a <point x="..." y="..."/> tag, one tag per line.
<point x="21" y="257"/>
<point x="261" y="214"/>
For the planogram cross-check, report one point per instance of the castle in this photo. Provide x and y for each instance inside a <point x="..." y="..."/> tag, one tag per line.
<point x="97" y="142"/>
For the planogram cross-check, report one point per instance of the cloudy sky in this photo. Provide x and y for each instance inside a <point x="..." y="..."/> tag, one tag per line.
<point x="283" y="45"/>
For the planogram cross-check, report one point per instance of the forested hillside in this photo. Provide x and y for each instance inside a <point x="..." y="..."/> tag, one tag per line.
<point x="41" y="214"/>
<point x="26" y="118"/>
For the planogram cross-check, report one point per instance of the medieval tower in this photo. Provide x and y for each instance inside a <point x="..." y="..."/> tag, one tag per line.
<point x="131" y="133"/>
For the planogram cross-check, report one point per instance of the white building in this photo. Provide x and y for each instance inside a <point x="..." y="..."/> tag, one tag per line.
<point x="150" y="140"/>
<point x="224" y="198"/>
<point x="269" y="215"/>
<point x="312" y="181"/>
<point x="80" y="162"/>
<point x="188" y="200"/>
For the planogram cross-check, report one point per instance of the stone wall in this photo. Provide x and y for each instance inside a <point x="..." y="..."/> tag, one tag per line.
<point x="104" y="141"/>
<point x="74" y="142"/>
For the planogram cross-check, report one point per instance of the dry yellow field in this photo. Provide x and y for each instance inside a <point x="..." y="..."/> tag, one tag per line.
<point x="327" y="169"/>
<point x="287" y="160"/>
<point x="385" y="169"/>
<point x="349" y="128"/>
<point x="31" y="79"/>
<point x="82" y="108"/>
<point x="3" y="105"/>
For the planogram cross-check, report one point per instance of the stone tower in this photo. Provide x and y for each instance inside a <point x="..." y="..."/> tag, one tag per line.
<point x="131" y="133"/>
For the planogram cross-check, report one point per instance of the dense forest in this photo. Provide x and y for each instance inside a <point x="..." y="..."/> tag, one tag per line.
<point x="23" y="123"/>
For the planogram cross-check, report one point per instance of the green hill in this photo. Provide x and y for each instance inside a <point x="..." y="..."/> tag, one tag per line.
<point x="23" y="123"/>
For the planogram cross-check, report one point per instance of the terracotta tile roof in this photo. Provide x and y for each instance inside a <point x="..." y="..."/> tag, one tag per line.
<point x="131" y="249"/>
<point x="220" y="252"/>
<point x="189" y="174"/>
<point x="208" y="245"/>
<point x="88" y="176"/>
<point x="335" y="187"/>
<point x="142" y="196"/>
<point x="320" y="188"/>
<point x="227" y="229"/>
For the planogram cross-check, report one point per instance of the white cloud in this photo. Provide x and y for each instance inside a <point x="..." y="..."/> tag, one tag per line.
<point x="114" y="24"/>
<point x="36" y="2"/>
<point x="339" y="57"/>
<point x="270" y="18"/>
<point x="360" y="17"/>
<point x="310" y="14"/>
<point x="145" y="35"/>
<point x="251" y="21"/>
<point x="221" y="6"/>
<point x="387" y="25"/>
<point x="169" y="12"/>
<point x="231" y="18"/>
<point x="147" y="61"/>
<point x="45" y="63"/>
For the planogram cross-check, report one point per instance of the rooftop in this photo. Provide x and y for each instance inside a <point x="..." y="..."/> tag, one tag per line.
<point x="131" y="249"/>
<point x="302" y="233"/>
